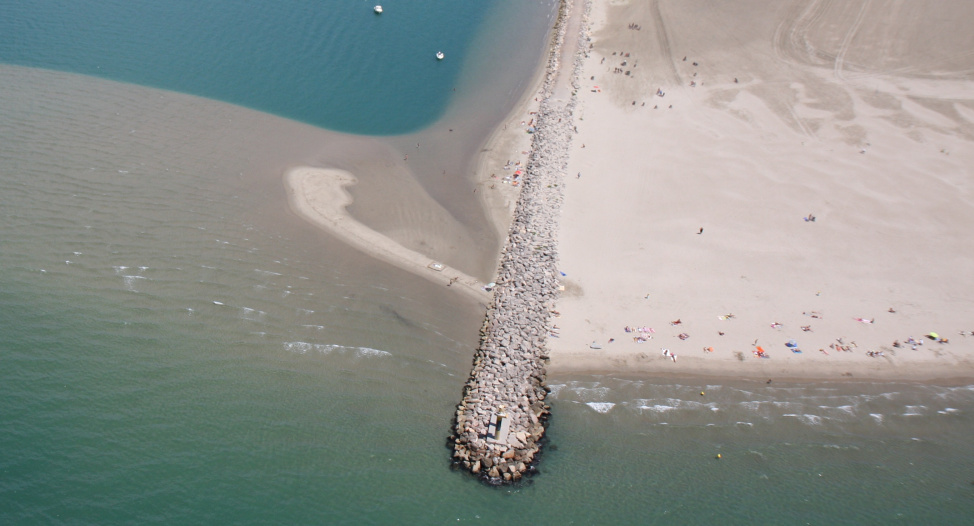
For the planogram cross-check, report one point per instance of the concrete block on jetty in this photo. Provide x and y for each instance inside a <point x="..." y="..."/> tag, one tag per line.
<point x="500" y="423"/>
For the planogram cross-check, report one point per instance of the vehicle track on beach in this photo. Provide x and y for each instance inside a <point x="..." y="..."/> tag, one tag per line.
<point x="663" y="40"/>
<point x="847" y="41"/>
<point x="790" y="44"/>
<point x="790" y="41"/>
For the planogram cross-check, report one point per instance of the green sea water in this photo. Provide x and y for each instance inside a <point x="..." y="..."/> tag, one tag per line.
<point x="177" y="348"/>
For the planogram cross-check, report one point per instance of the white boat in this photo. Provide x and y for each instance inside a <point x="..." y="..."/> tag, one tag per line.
<point x="439" y="55"/>
<point x="377" y="9"/>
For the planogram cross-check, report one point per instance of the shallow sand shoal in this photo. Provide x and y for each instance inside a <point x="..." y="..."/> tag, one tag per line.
<point x="395" y="214"/>
<point x="854" y="113"/>
<point x="319" y="195"/>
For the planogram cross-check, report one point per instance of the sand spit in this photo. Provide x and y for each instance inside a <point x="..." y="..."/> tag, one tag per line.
<point x="319" y="195"/>
<point x="500" y="421"/>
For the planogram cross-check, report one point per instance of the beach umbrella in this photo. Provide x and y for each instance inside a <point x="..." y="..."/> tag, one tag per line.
<point x="791" y="343"/>
<point x="933" y="336"/>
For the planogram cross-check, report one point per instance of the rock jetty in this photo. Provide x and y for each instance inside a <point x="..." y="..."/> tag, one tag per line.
<point x="500" y="423"/>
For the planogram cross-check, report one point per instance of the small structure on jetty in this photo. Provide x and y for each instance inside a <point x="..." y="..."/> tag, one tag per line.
<point x="500" y="423"/>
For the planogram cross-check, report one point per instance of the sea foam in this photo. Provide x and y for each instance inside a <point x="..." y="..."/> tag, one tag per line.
<point x="327" y="348"/>
<point x="601" y="407"/>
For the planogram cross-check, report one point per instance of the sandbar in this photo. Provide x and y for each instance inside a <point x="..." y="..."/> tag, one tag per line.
<point x="319" y="195"/>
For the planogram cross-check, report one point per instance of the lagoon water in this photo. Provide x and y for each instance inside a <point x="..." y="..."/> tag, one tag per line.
<point x="177" y="347"/>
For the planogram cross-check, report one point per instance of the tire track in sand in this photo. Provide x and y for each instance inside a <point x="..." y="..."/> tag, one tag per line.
<point x="847" y="41"/>
<point x="664" y="42"/>
<point x="790" y="41"/>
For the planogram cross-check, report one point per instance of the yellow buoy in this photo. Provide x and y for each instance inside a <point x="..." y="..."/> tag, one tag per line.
<point x="718" y="456"/>
<point x="701" y="393"/>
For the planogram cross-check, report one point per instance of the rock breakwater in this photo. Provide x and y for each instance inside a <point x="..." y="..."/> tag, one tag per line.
<point x="500" y="423"/>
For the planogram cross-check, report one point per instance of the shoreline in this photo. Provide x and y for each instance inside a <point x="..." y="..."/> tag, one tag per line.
<point x="710" y="372"/>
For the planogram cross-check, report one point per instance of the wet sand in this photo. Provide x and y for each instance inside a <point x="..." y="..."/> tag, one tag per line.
<point x="319" y="195"/>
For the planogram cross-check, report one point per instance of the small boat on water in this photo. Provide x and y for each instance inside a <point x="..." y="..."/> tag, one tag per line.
<point x="439" y="55"/>
<point x="377" y="9"/>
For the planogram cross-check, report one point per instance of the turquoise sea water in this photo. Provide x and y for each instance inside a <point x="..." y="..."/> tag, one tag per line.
<point x="177" y="348"/>
<point x="331" y="63"/>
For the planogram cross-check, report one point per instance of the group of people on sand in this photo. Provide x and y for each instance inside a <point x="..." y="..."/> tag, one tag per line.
<point x="643" y="334"/>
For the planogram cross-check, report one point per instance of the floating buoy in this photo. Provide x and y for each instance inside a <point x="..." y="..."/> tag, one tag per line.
<point x="701" y="393"/>
<point x="439" y="55"/>
<point x="718" y="456"/>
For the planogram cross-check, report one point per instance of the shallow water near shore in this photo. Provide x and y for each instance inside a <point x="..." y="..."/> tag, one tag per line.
<point x="790" y="453"/>
<point x="178" y="348"/>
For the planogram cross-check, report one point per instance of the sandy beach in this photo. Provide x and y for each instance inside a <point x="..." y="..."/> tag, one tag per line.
<point x="752" y="192"/>
<point x="790" y="178"/>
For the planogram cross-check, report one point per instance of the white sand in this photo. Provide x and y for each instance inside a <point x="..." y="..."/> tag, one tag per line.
<point x="859" y="112"/>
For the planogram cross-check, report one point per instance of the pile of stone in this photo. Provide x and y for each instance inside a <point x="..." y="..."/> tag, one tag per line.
<point x="501" y="421"/>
